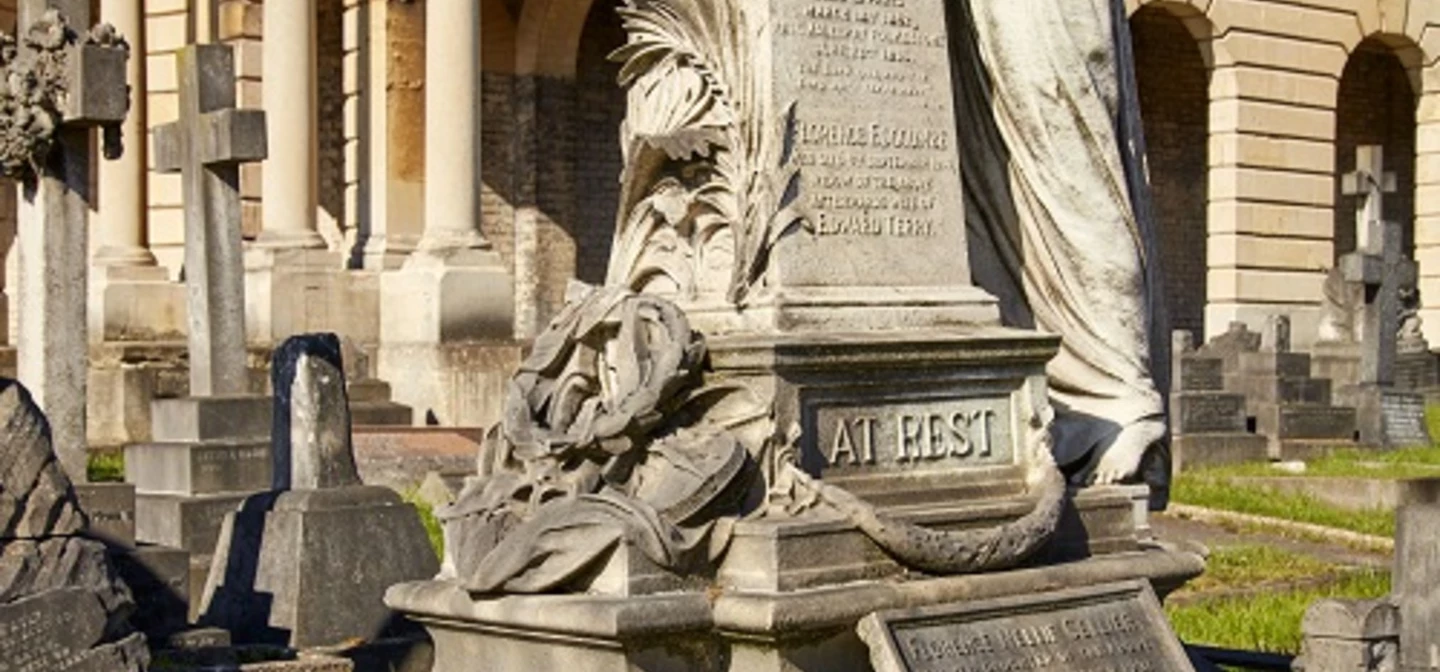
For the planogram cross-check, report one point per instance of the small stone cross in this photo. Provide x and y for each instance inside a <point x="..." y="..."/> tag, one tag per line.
<point x="1382" y="275"/>
<point x="62" y="60"/>
<point x="207" y="146"/>
<point x="1372" y="183"/>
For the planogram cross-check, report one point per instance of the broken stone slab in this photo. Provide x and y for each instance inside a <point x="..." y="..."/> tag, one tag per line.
<point x="1416" y="585"/>
<point x="311" y="435"/>
<point x="63" y="607"/>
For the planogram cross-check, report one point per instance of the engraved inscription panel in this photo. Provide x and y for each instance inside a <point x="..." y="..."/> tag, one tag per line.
<point x="934" y="434"/>
<point x="1115" y="628"/>
<point x="51" y="631"/>
<point x="1204" y="412"/>
<point x="1404" y="416"/>
<point x="875" y="139"/>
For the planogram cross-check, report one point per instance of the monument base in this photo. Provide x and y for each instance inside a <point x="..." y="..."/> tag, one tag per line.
<point x="300" y="291"/>
<point x="307" y="568"/>
<point x="1387" y="417"/>
<point x="1207" y="450"/>
<point x="811" y="629"/>
<point x="136" y="303"/>
<point x="451" y="384"/>
<point x="464" y="295"/>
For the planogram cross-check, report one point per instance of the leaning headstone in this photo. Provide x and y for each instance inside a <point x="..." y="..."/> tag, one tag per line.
<point x="71" y="78"/>
<point x="1107" y="627"/>
<point x="1349" y="635"/>
<point x="1208" y="424"/>
<point x="1416" y="585"/>
<point x="62" y="605"/>
<point x="211" y="449"/>
<point x="307" y="564"/>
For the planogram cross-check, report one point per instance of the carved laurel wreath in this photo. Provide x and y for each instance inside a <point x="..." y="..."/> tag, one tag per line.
<point x="710" y="182"/>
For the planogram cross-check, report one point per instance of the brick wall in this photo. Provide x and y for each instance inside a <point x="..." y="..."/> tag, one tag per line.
<point x="497" y="160"/>
<point x="1376" y="107"/>
<point x="329" y="64"/>
<point x="1174" y="99"/>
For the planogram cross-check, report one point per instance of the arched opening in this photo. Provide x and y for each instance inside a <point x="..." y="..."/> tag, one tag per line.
<point x="1174" y="82"/>
<point x="1375" y="106"/>
<point x="599" y="111"/>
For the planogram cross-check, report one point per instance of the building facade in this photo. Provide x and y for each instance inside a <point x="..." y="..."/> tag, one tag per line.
<point x="441" y="169"/>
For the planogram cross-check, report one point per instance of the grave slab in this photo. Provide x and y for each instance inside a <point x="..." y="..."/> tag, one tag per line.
<point x="1110" y="626"/>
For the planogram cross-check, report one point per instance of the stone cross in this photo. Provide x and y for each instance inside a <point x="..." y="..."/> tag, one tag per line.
<point x="1382" y="275"/>
<point x="207" y="146"/>
<point x="53" y="218"/>
<point x="1372" y="182"/>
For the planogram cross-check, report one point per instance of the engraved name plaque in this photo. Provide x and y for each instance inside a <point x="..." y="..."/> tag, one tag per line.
<point x="1115" y="627"/>
<point x="875" y="140"/>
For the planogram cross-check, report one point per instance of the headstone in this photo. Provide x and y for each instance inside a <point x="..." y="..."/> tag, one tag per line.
<point x="1291" y="408"/>
<point x="311" y="440"/>
<point x="82" y="73"/>
<point x="63" y="608"/>
<point x="1208" y="424"/>
<point x="1105" y="627"/>
<point x="1416" y="585"/>
<point x="1386" y="416"/>
<point x="212" y="448"/>
<point x="307" y="563"/>
<point x="1351" y="635"/>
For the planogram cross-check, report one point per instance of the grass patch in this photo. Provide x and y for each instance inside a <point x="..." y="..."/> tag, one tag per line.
<point x="106" y="466"/>
<point x="1217" y="493"/>
<point x="1267" y="621"/>
<point x="1245" y="567"/>
<point x="1348" y="463"/>
<point x="428" y="519"/>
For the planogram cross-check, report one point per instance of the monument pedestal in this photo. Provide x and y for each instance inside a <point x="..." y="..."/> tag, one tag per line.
<point x="299" y="291"/>
<point x="728" y="629"/>
<point x="135" y="303"/>
<point x="303" y="568"/>
<point x="208" y="454"/>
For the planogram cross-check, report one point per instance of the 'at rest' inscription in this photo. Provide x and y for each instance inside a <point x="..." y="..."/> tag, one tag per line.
<point x="931" y="434"/>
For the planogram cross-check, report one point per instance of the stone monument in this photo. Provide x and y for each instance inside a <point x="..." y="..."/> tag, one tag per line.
<point x="67" y="79"/>
<point x="788" y="407"/>
<point x="212" y="448"/>
<point x="1360" y="328"/>
<point x="63" y="608"/>
<point x="1209" y="425"/>
<point x="306" y="564"/>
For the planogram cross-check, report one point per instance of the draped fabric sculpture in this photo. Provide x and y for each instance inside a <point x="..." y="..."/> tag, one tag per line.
<point x="1058" y="213"/>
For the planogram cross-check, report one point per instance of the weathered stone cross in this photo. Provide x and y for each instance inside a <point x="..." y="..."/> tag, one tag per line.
<point x="1372" y="182"/>
<point x="1378" y="264"/>
<point x="207" y="145"/>
<point x="54" y="208"/>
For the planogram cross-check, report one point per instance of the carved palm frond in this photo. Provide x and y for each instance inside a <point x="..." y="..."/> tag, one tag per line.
<point x="700" y="115"/>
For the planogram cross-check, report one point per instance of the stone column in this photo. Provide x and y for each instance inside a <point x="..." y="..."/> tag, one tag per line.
<point x="131" y="297"/>
<point x="1427" y="199"/>
<point x="291" y="172"/>
<point x="454" y="288"/>
<point x="294" y="283"/>
<point x="452" y="127"/>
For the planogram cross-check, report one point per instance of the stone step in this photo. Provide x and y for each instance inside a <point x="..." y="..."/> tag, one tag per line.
<point x="1287" y="364"/>
<point x="198" y="419"/>
<point x="1201" y="374"/>
<point x="1207" y="413"/>
<point x="381" y="414"/>
<point x="368" y="390"/>
<point x="1263" y="389"/>
<point x="1204" y="450"/>
<point x="202" y="468"/>
<point x="1306" y="421"/>
<point x="188" y="523"/>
